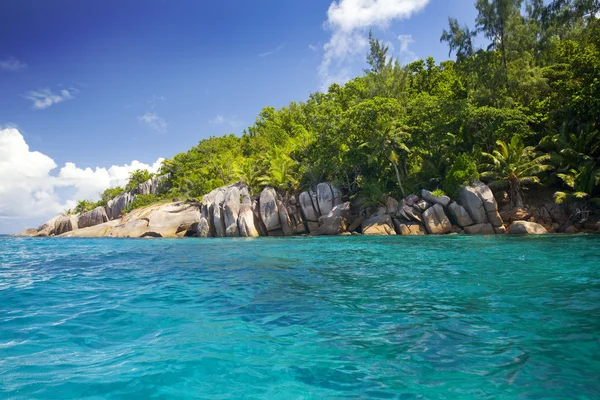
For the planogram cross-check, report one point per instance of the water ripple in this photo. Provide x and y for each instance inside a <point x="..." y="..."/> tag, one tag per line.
<point x="399" y="317"/>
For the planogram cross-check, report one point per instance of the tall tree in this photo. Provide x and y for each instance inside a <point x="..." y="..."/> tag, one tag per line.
<point x="459" y="39"/>
<point x="493" y="20"/>
<point x="377" y="57"/>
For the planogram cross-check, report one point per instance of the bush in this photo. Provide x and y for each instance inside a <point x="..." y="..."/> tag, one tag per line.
<point x="462" y="172"/>
<point x="438" y="192"/>
<point x="142" y="200"/>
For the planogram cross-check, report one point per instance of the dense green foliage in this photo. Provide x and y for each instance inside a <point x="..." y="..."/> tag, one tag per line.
<point x="142" y="200"/>
<point x="496" y="112"/>
<point x="136" y="178"/>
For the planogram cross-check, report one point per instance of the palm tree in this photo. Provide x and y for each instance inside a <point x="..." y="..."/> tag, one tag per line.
<point x="581" y="182"/>
<point x="569" y="150"/>
<point x="67" y="211"/>
<point x="513" y="165"/>
<point x="391" y="144"/>
<point x="281" y="173"/>
<point x="83" y="206"/>
<point x="138" y="177"/>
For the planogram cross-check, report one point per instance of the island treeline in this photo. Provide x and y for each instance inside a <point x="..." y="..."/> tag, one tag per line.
<point x="521" y="113"/>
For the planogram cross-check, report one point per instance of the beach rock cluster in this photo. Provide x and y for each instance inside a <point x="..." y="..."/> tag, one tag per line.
<point x="233" y="211"/>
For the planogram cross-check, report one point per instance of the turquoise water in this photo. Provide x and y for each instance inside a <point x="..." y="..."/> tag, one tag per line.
<point x="300" y="318"/>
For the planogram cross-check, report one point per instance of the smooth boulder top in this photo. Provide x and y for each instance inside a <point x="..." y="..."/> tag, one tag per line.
<point x="526" y="228"/>
<point x="444" y="201"/>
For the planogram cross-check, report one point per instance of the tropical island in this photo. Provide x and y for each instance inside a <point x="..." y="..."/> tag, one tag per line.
<point x="502" y="139"/>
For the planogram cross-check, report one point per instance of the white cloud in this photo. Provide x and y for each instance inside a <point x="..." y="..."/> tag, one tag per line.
<point x="155" y="122"/>
<point x="44" y="98"/>
<point x="268" y="53"/>
<point x="221" y="119"/>
<point x="349" y="22"/>
<point x="312" y="47"/>
<point x="29" y="190"/>
<point x="11" y="64"/>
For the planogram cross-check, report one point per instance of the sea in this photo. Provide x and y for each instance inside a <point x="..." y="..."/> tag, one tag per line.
<point x="435" y="317"/>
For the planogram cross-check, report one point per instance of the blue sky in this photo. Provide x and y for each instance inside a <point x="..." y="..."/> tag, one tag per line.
<point x="102" y="83"/>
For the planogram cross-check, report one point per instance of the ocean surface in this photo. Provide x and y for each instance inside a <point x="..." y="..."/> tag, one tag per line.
<point x="452" y="317"/>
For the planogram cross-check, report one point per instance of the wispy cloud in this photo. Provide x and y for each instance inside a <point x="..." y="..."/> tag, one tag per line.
<point x="153" y="121"/>
<point x="268" y="53"/>
<point x="220" y="119"/>
<point x="406" y="55"/>
<point x="11" y="64"/>
<point x="349" y="21"/>
<point x="312" y="47"/>
<point x="45" y="98"/>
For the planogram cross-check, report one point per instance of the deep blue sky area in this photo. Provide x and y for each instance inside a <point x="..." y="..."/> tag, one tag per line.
<point x="101" y="83"/>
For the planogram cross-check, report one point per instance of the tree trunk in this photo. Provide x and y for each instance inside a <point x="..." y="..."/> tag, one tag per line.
<point x="515" y="195"/>
<point x="398" y="177"/>
<point x="503" y="51"/>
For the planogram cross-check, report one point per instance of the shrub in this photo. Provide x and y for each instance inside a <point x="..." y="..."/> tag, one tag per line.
<point x="141" y="200"/>
<point x="462" y="172"/>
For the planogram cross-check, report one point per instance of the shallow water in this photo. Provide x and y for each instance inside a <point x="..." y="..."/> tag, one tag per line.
<point x="342" y="317"/>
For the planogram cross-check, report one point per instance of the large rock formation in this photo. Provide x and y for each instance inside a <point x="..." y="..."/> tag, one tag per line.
<point x="231" y="209"/>
<point x="284" y="219"/>
<point x="309" y="211"/>
<point x="324" y="198"/>
<point x="258" y="222"/>
<point x="480" y="229"/>
<point x="269" y="212"/>
<point x="152" y="186"/>
<point x="246" y="222"/>
<point x="444" y="201"/>
<point x="526" y="228"/>
<point x="336" y="221"/>
<point x="378" y="225"/>
<point x="220" y="208"/>
<point x="479" y="202"/>
<point x="295" y="215"/>
<point x="66" y="223"/>
<point x="95" y="231"/>
<point x="47" y="228"/>
<point x="459" y="215"/>
<point x="115" y="207"/>
<point x="172" y="219"/>
<point x="435" y="220"/>
<point x="95" y="217"/>
<point x="409" y="228"/>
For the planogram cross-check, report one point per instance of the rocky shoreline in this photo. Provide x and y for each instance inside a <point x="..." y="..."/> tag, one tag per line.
<point x="231" y="211"/>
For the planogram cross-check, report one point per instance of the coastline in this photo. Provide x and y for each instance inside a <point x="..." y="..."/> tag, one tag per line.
<point x="231" y="211"/>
